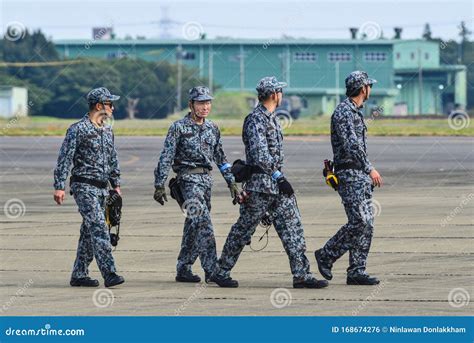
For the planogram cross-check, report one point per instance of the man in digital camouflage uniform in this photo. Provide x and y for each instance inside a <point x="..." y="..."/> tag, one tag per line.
<point x="192" y="145"/>
<point x="357" y="178"/>
<point x="89" y="148"/>
<point x="268" y="190"/>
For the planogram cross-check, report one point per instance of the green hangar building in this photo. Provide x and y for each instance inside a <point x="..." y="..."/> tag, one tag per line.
<point x="411" y="79"/>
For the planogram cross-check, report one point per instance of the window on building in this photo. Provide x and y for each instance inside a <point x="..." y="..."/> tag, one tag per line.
<point x="189" y="55"/>
<point x="412" y="55"/>
<point x="339" y="57"/>
<point x="304" y="57"/>
<point x="427" y="55"/>
<point x="398" y="56"/>
<point x="304" y="102"/>
<point x="116" y="54"/>
<point x="375" y="56"/>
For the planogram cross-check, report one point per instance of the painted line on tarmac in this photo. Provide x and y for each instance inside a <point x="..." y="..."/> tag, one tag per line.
<point x="132" y="160"/>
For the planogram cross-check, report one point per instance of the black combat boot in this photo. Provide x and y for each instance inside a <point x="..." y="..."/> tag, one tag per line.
<point x="310" y="283"/>
<point x="362" y="280"/>
<point x="323" y="265"/>
<point x="223" y="281"/>
<point x="113" y="280"/>
<point x="84" y="282"/>
<point x="187" y="276"/>
<point x="207" y="277"/>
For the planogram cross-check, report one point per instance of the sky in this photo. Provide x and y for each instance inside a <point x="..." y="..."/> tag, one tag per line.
<point x="238" y="18"/>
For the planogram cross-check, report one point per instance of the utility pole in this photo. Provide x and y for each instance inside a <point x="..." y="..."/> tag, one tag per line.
<point x="338" y="97"/>
<point x="420" y="83"/>
<point x="179" y="80"/>
<point x="242" y="67"/>
<point x="211" y="68"/>
<point x="286" y="65"/>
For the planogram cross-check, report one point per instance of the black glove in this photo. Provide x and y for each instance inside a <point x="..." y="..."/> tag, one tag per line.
<point x="285" y="186"/>
<point x="160" y="195"/>
<point x="266" y="220"/>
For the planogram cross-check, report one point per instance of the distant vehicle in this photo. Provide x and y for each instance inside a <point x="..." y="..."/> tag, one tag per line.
<point x="291" y="105"/>
<point x="458" y="111"/>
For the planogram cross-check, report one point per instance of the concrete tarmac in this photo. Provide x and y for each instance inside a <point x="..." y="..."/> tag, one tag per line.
<point x="422" y="248"/>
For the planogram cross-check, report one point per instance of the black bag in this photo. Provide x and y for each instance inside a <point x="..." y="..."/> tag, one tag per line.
<point x="242" y="171"/>
<point x="175" y="191"/>
<point x="113" y="214"/>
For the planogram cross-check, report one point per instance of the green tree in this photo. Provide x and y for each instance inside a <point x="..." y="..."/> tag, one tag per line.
<point x="139" y="81"/>
<point x="73" y="83"/>
<point x="427" y="32"/>
<point x="60" y="90"/>
<point x="37" y="97"/>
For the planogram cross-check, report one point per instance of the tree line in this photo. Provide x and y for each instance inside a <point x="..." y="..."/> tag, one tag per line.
<point x="148" y="89"/>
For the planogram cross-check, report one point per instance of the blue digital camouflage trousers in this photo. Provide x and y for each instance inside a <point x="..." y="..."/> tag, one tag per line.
<point x="355" y="189"/>
<point x="94" y="240"/>
<point x="198" y="234"/>
<point x="287" y="222"/>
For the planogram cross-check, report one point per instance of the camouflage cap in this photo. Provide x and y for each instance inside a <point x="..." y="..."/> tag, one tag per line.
<point x="100" y="95"/>
<point x="357" y="79"/>
<point x="200" y="93"/>
<point x="269" y="85"/>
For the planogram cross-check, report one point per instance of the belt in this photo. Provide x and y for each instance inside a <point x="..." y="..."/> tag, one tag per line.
<point x="95" y="183"/>
<point x="349" y="165"/>
<point x="197" y="170"/>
